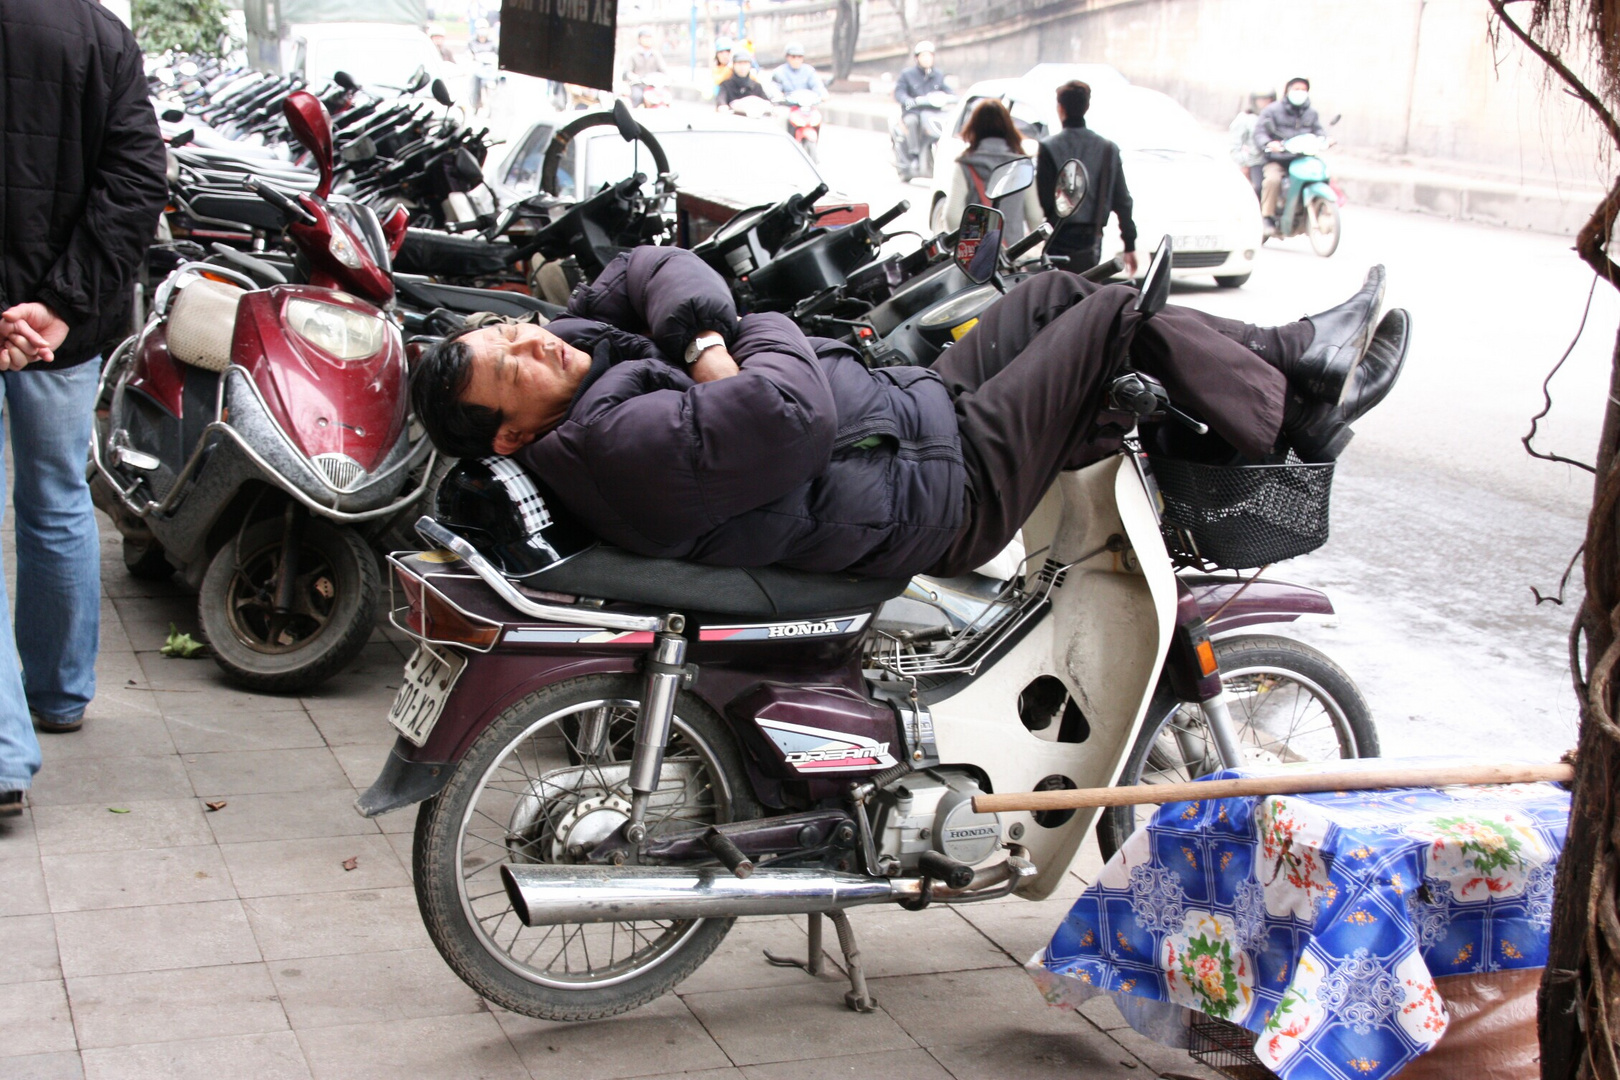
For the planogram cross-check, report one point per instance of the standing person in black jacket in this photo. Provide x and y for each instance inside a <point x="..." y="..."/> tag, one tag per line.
<point x="80" y="192"/>
<point x="1079" y="236"/>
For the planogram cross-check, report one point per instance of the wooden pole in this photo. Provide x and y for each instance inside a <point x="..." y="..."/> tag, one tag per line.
<point x="1281" y="784"/>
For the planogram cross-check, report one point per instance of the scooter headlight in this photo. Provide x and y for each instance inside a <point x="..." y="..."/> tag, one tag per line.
<point x="345" y="334"/>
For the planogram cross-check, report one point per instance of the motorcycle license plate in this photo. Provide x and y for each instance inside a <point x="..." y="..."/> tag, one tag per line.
<point x="429" y="677"/>
<point x="1197" y="243"/>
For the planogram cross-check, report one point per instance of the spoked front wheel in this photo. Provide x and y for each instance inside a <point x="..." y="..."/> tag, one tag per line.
<point x="543" y="784"/>
<point x="1289" y="703"/>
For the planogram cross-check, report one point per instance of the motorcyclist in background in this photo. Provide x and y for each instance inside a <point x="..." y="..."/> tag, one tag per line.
<point x="795" y="75"/>
<point x="643" y="62"/>
<point x="1240" y="137"/>
<point x="485" y="52"/>
<point x="911" y="90"/>
<point x="742" y="82"/>
<point x="721" y="69"/>
<point x="1279" y="122"/>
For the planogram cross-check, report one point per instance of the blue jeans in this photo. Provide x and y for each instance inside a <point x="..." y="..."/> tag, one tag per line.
<point x="58" y="624"/>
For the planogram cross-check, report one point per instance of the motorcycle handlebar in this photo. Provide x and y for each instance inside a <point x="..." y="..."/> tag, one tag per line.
<point x="893" y="212"/>
<point x="1036" y="235"/>
<point x="280" y="200"/>
<point x="815" y="194"/>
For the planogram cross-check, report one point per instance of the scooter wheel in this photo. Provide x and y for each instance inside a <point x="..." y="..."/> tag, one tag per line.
<point x="1289" y="702"/>
<point x="334" y="606"/>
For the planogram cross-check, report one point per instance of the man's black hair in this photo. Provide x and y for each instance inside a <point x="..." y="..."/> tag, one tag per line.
<point x="442" y="375"/>
<point x="1306" y="83"/>
<point x="1075" y="98"/>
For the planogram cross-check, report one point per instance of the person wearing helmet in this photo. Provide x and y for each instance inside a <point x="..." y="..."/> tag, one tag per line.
<point x="919" y="126"/>
<point x="794" y="75"/>
<point x="1279" y="122"/>
<point x="682" y="431"/>
<point x="1240" y="137"/>
<point x="742" y="82"/>
<point x="644" y="61"/>
<point x="436" y="35"/>
<point x="721" y="70"/>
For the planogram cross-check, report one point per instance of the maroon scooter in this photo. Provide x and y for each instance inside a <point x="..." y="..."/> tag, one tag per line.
<point x="255" y="437"/>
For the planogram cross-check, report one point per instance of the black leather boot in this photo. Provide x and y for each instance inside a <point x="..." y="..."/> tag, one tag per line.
<point x="1319" y="431"/>
<point x="1341" y="337"/>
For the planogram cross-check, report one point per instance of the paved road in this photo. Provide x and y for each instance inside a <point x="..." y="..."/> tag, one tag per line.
<point x="1441" y="521"/>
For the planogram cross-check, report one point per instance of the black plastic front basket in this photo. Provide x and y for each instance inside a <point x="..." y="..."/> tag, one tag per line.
<point x="1242" y="517"/>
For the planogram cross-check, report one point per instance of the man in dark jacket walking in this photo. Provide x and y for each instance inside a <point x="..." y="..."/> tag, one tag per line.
<point x="1079" y="236"/>
<point x="82" y="187"/>
<point x="1279" y="122"/>
<point x="673" y="429"/>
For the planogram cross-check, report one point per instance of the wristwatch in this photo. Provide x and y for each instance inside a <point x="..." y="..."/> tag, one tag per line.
<point x="702" y="344"/>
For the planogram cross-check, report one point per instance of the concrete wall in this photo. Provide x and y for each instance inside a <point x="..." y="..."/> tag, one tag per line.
<point x="1412" y="78"/>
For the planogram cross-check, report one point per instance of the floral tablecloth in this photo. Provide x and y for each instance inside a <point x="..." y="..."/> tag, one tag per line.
<point x="1318" y="921"/>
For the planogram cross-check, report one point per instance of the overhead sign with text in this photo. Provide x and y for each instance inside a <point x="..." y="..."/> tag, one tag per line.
<point x="566" y="40"/>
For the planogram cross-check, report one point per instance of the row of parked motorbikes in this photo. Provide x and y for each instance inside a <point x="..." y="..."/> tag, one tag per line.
<point x="615" y="757"/>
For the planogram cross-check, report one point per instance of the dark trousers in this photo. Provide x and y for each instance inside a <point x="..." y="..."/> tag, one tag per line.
<point x="1080" y="244"/>
<point x="1030" y="383"/>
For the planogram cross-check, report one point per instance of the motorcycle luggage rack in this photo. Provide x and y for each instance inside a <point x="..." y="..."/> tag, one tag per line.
<point x="967" y="649"/>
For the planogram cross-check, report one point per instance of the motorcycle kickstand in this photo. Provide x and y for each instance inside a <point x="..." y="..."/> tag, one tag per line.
<point x="858" y="998"/>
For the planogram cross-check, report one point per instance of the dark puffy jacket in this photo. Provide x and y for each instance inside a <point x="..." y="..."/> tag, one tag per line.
<point x="1281" y="121"/>
<point x="806" y="459"/>
<point x="83" y="180"/>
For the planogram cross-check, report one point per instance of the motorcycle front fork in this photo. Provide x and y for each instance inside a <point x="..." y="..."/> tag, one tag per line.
<point x="1222" y="730"/>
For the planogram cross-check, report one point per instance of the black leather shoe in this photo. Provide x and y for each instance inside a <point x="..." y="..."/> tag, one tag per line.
<point x="1319" y="431"/>
<point x="11" y="803"/>
<point x="1341" y="336"/>
<point x="57" y="724"/>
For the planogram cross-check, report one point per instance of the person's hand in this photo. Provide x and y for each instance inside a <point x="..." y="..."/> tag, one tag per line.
<point x="715" y="363"/>
<point x="30" y="332"/>
<point x="1129" y="259"/>
<point x="1274" y="147"/>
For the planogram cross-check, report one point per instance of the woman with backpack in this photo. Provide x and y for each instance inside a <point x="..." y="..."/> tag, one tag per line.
<point x="992" y="139"/>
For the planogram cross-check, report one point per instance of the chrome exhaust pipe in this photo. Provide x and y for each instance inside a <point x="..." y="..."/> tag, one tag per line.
<point x="544" y="895"/>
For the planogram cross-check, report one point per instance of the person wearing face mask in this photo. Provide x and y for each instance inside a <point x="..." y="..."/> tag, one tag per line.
<point x="1279" y="122"/>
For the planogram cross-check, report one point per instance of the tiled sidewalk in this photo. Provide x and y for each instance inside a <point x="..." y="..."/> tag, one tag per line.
<point x="170" y="942"/>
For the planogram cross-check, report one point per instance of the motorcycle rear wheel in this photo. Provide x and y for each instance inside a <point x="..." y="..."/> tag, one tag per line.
<point x="1289" y="702"/>
<point x="337" y="606"/>
<point x="1322" y="226"/>
<point x="489" y="813"/>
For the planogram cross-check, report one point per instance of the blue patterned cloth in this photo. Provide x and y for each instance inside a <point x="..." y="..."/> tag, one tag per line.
<point x="1319" y="921"/>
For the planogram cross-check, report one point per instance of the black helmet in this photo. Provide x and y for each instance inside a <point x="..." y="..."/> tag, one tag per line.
<point x="512" y="518"/>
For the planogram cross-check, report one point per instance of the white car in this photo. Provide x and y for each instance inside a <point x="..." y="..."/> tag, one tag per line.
<point x="384" y="56"/>
<point x="1181" y="180"/>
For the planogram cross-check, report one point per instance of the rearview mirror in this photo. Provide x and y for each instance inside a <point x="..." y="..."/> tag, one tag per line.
<point x="1155" y="288"/>
<point x="628" y="129"/>
<point x="312" y="127"/>
<point x="467" y="167"/>
<point x="181" y="138"/>
<point x="441" y="93"/>
<point x="345" y="80"/>
<point x="174" y="116"/>
<point x="419" y="79"/>
<point x="1072" y="185"/>
<point x="1010" y="177"/>
<point x="978" y="243"/>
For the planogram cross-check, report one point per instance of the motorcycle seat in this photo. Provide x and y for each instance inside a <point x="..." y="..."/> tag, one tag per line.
<point x="202" y="323"/>
<point x="464" y="300"/>
<point x="761" y="591"/>
<point x="426" y="251"/>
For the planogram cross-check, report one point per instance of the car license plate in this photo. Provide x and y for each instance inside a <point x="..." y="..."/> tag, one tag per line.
<point x="429" y="677"/>
<point x="1202" y="242"/>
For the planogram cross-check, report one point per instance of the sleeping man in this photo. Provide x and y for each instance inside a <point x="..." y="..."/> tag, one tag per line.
<point x="672" y="428"/>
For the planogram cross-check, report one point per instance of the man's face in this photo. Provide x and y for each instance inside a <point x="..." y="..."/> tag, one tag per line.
<point x="925" y="60"/>
<point x="795" y="62"/>
<point x="645" y="41"/>
<point x="741" y="67"/>
<point x="528" y="374"/>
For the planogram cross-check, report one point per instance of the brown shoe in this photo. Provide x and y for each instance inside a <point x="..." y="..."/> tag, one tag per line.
<point x="11" y="803"/>
<point x="58" y="724"/>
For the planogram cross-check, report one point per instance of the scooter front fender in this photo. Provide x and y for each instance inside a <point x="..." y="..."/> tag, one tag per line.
<point x="1229" y="604"/>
